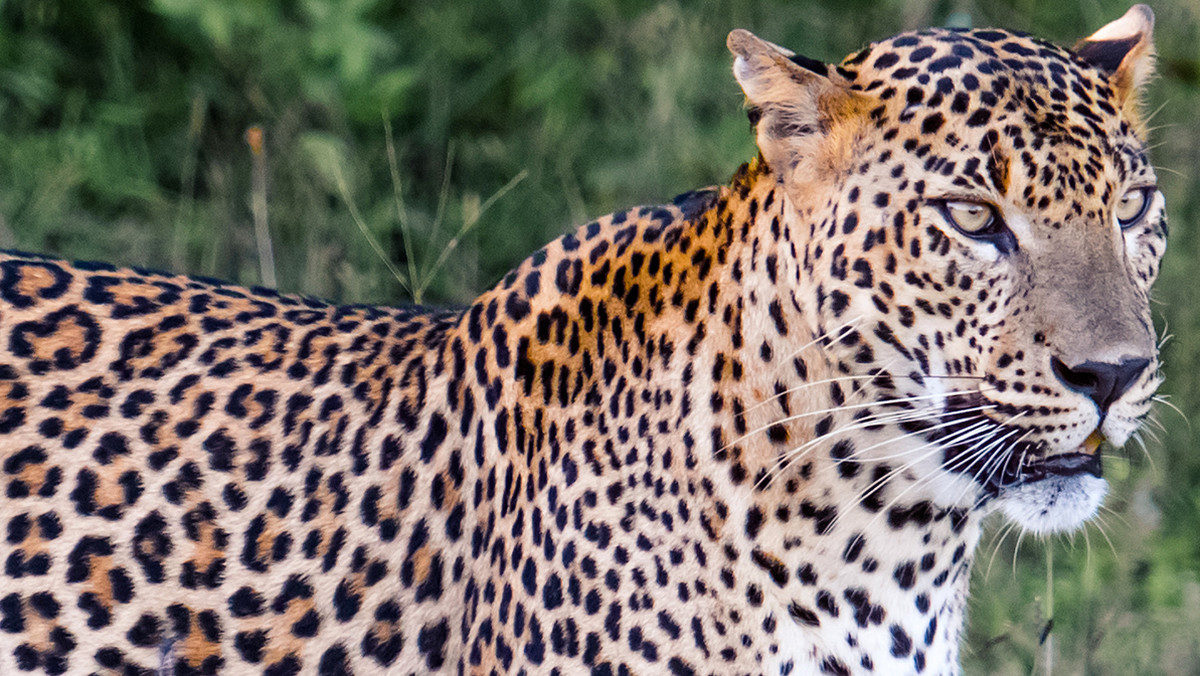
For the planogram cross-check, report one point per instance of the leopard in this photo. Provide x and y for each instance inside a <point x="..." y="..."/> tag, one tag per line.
<point x="755" y="430"/>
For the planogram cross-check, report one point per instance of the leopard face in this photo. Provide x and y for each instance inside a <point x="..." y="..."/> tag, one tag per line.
<point x="986" y="250"/>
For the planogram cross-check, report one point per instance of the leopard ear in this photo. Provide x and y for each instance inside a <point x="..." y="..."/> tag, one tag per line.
<point x="1123" y="50"/>
<point x="802" y="110"/>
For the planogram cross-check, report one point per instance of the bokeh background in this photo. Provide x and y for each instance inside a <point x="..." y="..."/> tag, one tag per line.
<point x="421" y="148"/>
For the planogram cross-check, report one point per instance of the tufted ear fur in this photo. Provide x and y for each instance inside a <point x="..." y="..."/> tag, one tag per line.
<point x="806" y="121"/>
<point x="1124" y="49"/>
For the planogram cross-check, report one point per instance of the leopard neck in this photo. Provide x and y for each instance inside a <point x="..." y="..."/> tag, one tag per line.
<point x="700" y="315"/>
<point x="827" y="523"/>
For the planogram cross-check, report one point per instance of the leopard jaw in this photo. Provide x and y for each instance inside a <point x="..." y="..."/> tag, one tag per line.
<point x="1056" y="504"/>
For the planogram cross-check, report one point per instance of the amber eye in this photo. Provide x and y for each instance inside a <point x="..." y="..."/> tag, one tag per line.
<point x="972" y="218"/>
<point x="978" y="220"/>
<point x="975" y="219"/>
<point x="1132" y="206"/>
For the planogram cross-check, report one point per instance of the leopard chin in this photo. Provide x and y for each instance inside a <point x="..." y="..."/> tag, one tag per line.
<point x="1055" y="504"/>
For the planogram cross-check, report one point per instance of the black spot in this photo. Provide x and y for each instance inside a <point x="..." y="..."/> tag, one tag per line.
<point x="803" y="615"/>
<point x="151" y="545"/>
<point x="823" y="518"/>
<point x="680" y="668"/>
<point x="109" y="658"/>
<point x="146" y="632"/>
<point x="434" y="436"/>
<point x="516" y="307"/>
<point x="121" y="584"/>
<point x="431" y="587"/>
<point x="754" y="522"/>
<point x="774" y="567"/>
<point x="44" y="604"/>
<point x="943" y="64"/>
<point x="12" y="615"/>
<point x="827" y="603"/>
<point x="245" y="602"/>
<point x="853" y="548"/>
<point x="79" y="561"/>
<point x="552" y="593"/>
<point x="12" y="273"/>
<point x="306" y="626"/>
<point x="834" y="666"/>
<point x="84" y="494"/>
<point x="841" y="453"/>
<point x="886" y="60"/>
<point x="335" y="662"/>
<point x="932" y="123"/>
<point x="72" y="354"/>
<point x="920" y="514"/>
<point x="221" y="451"/>
<point x="111" y="445"/>
<point x="838" y="302"/>
<point x="250" y="644"/>
<point x="905" y="575"/>
<point x="431" y="641"/>
<point x="384" y="649"/>
<point x="901" y="642"/>
<point x="287" y="666"/>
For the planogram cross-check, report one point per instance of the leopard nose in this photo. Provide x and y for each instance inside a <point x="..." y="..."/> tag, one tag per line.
<point x="1101" y="382"/>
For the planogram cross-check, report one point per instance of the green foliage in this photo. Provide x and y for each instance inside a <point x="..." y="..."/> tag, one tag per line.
<point x="391" y="126"/>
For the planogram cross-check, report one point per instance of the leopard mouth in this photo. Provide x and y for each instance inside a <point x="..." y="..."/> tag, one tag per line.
<point x="1059" y="493"/>
<point x="1084" y="460"/>
<point x="1027" y="463"/>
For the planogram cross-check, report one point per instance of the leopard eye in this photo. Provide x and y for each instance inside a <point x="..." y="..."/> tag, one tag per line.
<point x="979" y="220"/>
<point x="974" y="219"/>
<point x="970" y="217"/>
<point x="1132" y="207"/>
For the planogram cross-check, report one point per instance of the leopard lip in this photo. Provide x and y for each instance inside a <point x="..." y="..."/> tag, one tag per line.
<point x="1084" y="460"/>
<point x="1068" y="464"/>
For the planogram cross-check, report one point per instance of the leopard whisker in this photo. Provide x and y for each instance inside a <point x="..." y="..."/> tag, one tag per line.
<point x="1017" y="550"/>
<point x="1164" y="399"/>
<point x="1004" y="456"/>
<point x="1137" y="438"/>
<point x="1005" y="530"/>
<point x="995" y="465"/>
<point x="1152" y="434"/>
<point x="877" y="373"/>
<point x="1166" y="333"/>
<point x="1087" y="544"/>
<point x="804" y="386"/>
<point x="841" y="332"/>
<point x="907" y="434"/>
<point x="933" y="447"/>
<point x="1001" y="458"/>
<point x="842" y="408"/>
<point x="857" y="456"/>
<point x="1153" y="421"/>
<point x="795" y="454"/>
<point x="1106" y="511"/>
<point x="998" y="459"/>
<point x="1099" y="522"/>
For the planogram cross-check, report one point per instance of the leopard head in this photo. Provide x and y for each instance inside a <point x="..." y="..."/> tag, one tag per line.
<point x="983" y="229"/>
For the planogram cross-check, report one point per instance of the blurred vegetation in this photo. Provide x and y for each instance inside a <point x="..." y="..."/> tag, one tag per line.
<point x="389" y="127"/>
